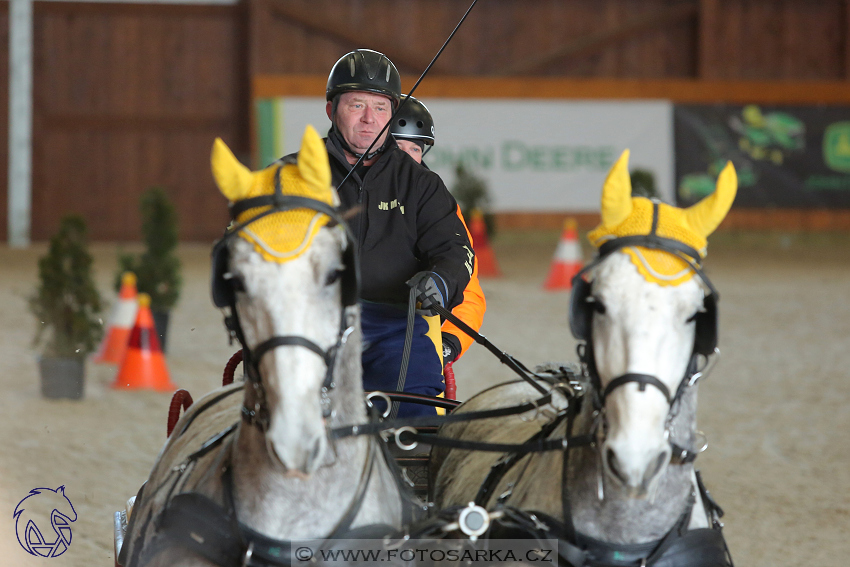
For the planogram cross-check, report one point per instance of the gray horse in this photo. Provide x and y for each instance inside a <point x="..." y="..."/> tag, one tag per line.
<point x="252" y="464"/>
<point x="647" y="315"/>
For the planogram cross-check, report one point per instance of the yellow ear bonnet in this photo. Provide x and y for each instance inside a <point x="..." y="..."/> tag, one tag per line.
<point x="282" y="236"/>
<point x="624" y="215"/>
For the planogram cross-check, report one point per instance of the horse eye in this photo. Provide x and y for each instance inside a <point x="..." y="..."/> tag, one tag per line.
<point x="333" y="277"/>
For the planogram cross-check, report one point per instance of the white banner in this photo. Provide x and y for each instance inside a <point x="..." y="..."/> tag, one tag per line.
<point x="534" y="155"/>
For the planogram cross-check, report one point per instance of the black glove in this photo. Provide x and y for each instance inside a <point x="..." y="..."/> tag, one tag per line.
<point x="430" y="289"/>
<point x="451" y="348"/>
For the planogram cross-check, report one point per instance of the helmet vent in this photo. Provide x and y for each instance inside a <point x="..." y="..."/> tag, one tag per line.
<point x="371" y="63"/>
<point x="388" y="74"/>
<point x="351" y="66"/>
<point x="420" y="124"/>
<point x="402" y="122"/>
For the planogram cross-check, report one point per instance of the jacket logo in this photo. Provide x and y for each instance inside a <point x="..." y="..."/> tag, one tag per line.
<point x="469" y="257"/>
<point x="384" y="206"/>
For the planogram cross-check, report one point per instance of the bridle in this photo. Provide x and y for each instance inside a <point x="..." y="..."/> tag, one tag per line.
<point x="705" y="339"/>
<point x="224" y="295"/>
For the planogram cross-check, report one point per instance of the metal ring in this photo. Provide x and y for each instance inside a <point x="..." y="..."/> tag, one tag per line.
<point x="382" y="396"/>
<point x="405" y="446"/>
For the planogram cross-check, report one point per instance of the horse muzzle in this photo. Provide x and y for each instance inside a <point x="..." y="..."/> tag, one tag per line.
<point x="635" y="471"/>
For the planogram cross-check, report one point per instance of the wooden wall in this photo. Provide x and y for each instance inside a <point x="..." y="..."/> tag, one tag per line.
<point x="774" y="39"/>
<point x="132" y="95"/>
<point x="708" y="39"/>
<point x="129" y="96"/>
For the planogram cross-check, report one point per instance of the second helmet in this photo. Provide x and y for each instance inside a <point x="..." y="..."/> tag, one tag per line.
<point x="413" y="122"/>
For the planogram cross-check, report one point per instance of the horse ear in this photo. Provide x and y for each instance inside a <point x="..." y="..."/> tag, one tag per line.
<point x="617" y="193"/>
<point x="234" y="179"/>
<point x="313" y="160"/>
<point x="706" y="215"/>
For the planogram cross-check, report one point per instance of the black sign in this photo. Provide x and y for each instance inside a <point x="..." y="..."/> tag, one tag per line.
<point x="786" y="157"/>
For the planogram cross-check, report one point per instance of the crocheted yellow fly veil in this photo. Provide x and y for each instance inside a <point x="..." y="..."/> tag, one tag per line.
<point x="624" y="215"/>
<point x="284" y="236"/>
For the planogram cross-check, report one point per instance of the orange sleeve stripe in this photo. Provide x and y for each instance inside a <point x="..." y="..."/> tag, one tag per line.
<point x="471" y="311"/>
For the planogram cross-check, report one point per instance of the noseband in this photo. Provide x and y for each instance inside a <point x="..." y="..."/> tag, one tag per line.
<point x="258" y="414"/>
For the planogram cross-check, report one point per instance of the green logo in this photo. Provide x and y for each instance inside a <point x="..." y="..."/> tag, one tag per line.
<point x="836" y="147"/>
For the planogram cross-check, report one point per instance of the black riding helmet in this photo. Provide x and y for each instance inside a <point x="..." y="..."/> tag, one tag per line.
<point x="413" y="122"/>
<point x="364" y="70"/>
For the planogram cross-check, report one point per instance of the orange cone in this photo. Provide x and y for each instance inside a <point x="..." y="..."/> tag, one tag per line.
<point x="487" y="265"/>
<point x="144" y="364"/>
<point x="567" y="261"/>
<point x="120" y="324"/>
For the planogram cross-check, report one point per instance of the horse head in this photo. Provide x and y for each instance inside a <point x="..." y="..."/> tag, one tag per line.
<point x="646" y="318"/>
<point x="286" y="271"/>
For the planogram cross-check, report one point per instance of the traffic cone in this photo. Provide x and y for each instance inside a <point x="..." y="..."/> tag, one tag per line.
<point x="487" y="265"/>
<point x="567" y="261"/>
<point x="120" y="324"/>
<point x="144" y="364"/>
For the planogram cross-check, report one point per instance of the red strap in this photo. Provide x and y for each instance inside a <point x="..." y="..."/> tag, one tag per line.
<point x="180" y="398"/>
<point x="451" y="385"/>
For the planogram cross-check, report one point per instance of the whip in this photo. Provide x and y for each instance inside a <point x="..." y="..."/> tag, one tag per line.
<point x="403" y="102"/>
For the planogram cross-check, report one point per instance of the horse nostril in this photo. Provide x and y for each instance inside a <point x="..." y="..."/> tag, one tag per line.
<point x="614" y="465"/>
<point x="653" y="470"/>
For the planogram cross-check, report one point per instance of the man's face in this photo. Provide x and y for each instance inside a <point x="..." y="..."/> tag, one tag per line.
<point x="412" y="149"/>
<point x="360" y="116"/>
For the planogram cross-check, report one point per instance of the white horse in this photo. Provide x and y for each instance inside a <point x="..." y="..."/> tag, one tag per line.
<point x="252" y="464"/>
<point x="626" y="489"/>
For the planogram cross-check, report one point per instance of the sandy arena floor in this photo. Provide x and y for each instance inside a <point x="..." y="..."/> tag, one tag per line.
<point x="776" y="410"/>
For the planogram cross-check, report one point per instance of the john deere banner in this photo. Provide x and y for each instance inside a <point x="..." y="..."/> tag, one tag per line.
<point x="792" y="157"/>
<point x="534" y="155"/>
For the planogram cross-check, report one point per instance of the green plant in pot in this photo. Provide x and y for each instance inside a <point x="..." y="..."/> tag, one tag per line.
<point x="66" y="305"/>
<point x="471" y="193"/>
<point x="157" y="269"/>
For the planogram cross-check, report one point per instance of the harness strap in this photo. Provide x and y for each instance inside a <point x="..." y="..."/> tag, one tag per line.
<point x="289" y="340"/>
<point x="584" y="551"/>
<point x="500" y="468"/>
<point x="521" y="448"/>
<point x="206" y="405"/>
<point x="642" y="379"/>
<point x="426" y="420"/>
<point x="202" y="526"/>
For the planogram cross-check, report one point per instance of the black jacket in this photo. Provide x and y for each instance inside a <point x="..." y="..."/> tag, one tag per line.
<point x="408" y="223"/>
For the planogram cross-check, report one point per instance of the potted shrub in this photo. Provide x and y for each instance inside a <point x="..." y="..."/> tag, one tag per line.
<point x="471" y="193"/>
<point x="157" y="269"/>
<point x="66" y="304"/>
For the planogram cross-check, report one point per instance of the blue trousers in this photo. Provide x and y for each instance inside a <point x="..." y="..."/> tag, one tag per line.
<point x="384" y="329"/>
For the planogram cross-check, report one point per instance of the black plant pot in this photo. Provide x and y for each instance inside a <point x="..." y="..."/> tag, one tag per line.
<point x="62" y="377"/>
<point x="160" y="321"/>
